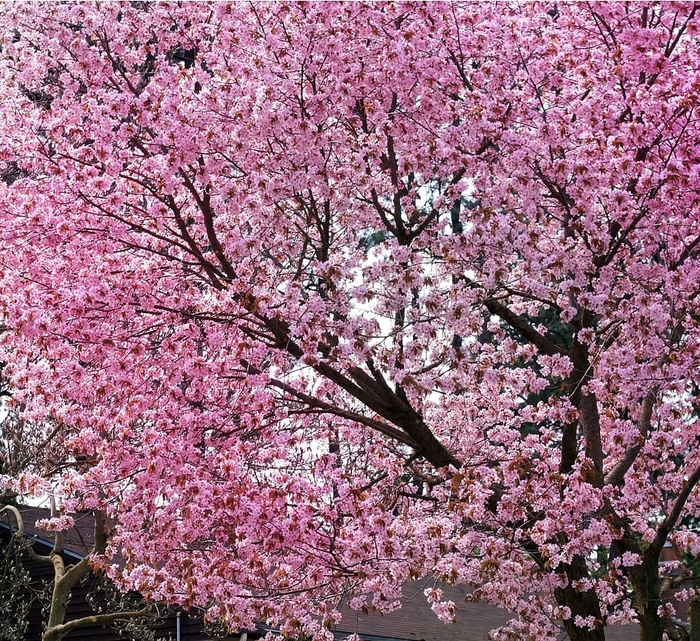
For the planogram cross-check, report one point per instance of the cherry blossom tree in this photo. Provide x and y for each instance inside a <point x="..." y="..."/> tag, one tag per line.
<point x="332" y="296"/>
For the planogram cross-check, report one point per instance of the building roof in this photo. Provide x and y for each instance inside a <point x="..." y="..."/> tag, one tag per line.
<point x="416" y="621"/>
<point x="78" y="540"/>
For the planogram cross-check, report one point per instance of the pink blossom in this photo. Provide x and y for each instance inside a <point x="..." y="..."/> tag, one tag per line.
<point x="56" y="524"/>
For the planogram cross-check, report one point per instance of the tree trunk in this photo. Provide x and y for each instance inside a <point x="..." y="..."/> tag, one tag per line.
<point x="652" y="628"/>
<point x="583" y="604"/>
<point x="647" y="594"/>
<point x="694" y="615"/>
<point x="64" y="582"/>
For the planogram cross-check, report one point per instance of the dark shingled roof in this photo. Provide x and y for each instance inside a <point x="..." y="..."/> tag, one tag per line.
<point x="78" y="540"/>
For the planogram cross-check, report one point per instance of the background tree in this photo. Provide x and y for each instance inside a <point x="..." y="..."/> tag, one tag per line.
<point x="238" y="234"/>
<point x="16" y="588"/>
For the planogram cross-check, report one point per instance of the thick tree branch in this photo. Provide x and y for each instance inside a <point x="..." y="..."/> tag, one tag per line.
<point x="57" y="632"/>
<point x="314" y="402"/>
<point x="204" y="205"/>
<point x="617" y="474"/>
<point x="518" y="323"/>
<point x="675" y="513"/>
<point x="374" y="394"/>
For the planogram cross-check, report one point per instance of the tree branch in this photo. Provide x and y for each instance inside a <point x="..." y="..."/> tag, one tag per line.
<point x="617" y="474"/>
<point x="57" y="632"/>
<point x="675" y="513"/>
<point x="518" y="323"/>
<point x="314" y="402"/>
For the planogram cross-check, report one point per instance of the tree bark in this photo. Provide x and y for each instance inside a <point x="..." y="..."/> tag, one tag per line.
<point x="581" y="603"/>
<point x="647" y="595"/>
<point x="694" y="615"/>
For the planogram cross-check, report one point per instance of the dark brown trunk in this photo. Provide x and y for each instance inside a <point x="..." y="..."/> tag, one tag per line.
<point x="647" y="594"/>
<point x="694" y="615"/>
<point x="583" y="604"/>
